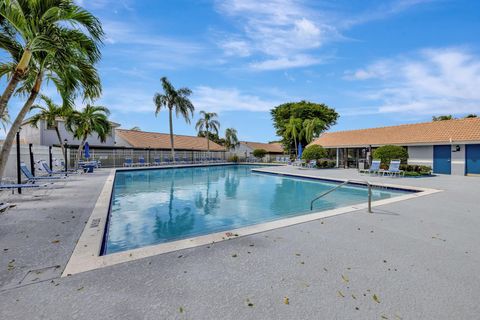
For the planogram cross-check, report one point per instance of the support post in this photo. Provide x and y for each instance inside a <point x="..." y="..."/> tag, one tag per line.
<point x="50" y="159"/>
<point x="66" y="156"/>
<point x="32" y="160"/>
<point x="19" y="175"/>
<point x="338" y="158"/>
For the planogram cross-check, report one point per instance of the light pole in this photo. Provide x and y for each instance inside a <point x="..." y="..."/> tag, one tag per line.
<point x="65" y="145"/>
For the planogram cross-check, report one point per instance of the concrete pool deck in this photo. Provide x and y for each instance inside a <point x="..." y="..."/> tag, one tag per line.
<point x="415" y="259"/>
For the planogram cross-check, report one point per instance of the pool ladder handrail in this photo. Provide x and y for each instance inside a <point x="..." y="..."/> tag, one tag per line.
<point x="341" y="185"/>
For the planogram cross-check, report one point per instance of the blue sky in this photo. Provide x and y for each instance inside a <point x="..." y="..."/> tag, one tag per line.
<point x="376" y="62"/>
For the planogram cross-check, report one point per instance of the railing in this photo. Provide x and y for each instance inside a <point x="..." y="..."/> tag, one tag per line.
<point x="341" y="185"/>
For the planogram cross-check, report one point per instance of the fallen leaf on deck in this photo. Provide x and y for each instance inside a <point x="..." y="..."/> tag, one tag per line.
<point x="55" y="241"/>
<point x="340" y="294"/>
<point x="375" y="298"/>
<point x="286" y="300"/>
<point x="345" y="278"/>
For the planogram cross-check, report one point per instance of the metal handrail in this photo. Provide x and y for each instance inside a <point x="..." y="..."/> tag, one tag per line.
<point x="341" y="185"/>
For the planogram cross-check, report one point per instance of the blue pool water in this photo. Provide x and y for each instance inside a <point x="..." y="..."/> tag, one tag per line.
<point x="160" y="205"/>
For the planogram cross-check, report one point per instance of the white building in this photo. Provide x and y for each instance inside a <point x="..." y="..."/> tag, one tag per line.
<point x="449" y="146"/>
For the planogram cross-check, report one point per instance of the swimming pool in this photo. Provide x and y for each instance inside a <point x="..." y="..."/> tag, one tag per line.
<point x="161" y="205"/>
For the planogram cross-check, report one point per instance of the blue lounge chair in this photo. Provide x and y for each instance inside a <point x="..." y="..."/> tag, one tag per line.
<point x="50" y="172"/>
<point x="374" y="168"/>
<point x="141" y="162"/>
<point x="156" y="161"/>
<point x="393" y="169"/>
<point x="128" y="162"/>
<point x="31" y="177"/>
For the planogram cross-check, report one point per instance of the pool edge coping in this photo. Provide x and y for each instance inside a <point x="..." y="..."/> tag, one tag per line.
<point x="86" y="254"/>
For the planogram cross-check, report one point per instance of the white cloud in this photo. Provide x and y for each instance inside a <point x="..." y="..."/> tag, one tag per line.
<point x="285" y="62"/>
<point x="433" y="81"/>
<point x="282" y="31"/>
<point x="228" y="99"/>
<point x="287" y="34"/>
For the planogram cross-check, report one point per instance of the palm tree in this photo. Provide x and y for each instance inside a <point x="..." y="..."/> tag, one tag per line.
<point x="207" y="123"/>
<point x="92" y="119"/>
<point x="135" y="129"/>
<point x="69" y="66"/>
<point x="174" y="99"/>
<point x="4" y="121"/>
<point x="312" y="128"/>
<point x="50" y="113"/>
<point x="293" y="131"/>
<point x="231" y="140"/>
<point x="33" y="26"/>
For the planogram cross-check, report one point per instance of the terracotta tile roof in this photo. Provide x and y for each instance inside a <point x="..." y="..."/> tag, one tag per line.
<point x="435" y="132"/>
<point x="155" y="140"/>
<point x="274" y="147"/>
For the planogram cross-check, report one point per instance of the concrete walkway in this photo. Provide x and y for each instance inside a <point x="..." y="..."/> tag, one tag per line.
<point x="416" y="259"/>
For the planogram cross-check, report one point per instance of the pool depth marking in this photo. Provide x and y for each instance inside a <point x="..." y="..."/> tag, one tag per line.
<point x="86" y="255"/>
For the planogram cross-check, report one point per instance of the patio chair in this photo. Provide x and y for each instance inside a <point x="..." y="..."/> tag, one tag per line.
<point x="374" y="168"/>
<point x="312" y="164"/>
<point x="156" y="161"/>
<point x="13" y="186"/>
<point x="141" y="162"/>
<point x="393" y="169"/>
<point x="31" y="178"/>
<point x="44" y="167"/>
<point x="128" y="162"/>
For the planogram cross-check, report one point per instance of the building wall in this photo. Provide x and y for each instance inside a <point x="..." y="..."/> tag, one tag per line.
<point x="458" y="160"/>
<point x="420" y="155"/>
<point x="241" y="149"/>
<point x="48" y="137"/>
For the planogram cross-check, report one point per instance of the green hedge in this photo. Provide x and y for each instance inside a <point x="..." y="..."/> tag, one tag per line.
<point x="388" y="153"/>
<point x="314" y="152"/>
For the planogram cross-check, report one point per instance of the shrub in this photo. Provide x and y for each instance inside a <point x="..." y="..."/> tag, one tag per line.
<point x="389" y="152"/>
<point x="233" y="158"/>
<point x="259" y="153"/>
<point x="314" y="152"/>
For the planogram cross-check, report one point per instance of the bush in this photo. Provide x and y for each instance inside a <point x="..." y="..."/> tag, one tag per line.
<point x="419" y="170"/>
<point x="389" y="152"/>
<point x="326" y="164"/>
<point x="233" y="158"/>
<point x="259" y="153"/>
<point x="314" y="152"/>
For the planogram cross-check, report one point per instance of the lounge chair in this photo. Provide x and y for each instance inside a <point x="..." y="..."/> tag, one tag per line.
<point x="312" y="164"/>
<point x="128" y="162"/>
<point x="393" y="169"/>
<point x="50" y="172"/>
<point x="31" y="178"/>
<point x="156" y="161"/>
<point x="374" y="168"/>
<point x="141" y="162"/>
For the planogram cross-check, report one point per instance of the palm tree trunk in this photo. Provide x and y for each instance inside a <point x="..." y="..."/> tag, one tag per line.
<point x="19" y="73"/>
<point x="208" y="143"/>
<point x="7" y="144"/>
<point x="79" y="151"/>
<point x="296" y="148"/>
<point x="60" y="142"/>
<point x="171" y="133"/>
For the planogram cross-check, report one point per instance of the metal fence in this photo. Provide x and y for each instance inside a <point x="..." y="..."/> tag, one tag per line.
<point x="116" y="157"/>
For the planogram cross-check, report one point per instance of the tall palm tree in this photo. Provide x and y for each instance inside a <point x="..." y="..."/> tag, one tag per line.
<point x="312" y="128"/>
<point x="50" y="113"/>
<point x="32" y="26"/>
<point x="92" y="119"/>
<point x="174" y="99"/>
<point x="293" y="131"/>
<point x="69" y="66"/>
<point x="206" y="123"/>
<point x="231" y="139"/>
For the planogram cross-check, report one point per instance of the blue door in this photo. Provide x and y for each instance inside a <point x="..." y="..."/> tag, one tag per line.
<point x="442" y="159"/>
<point x="472" y="154"/>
